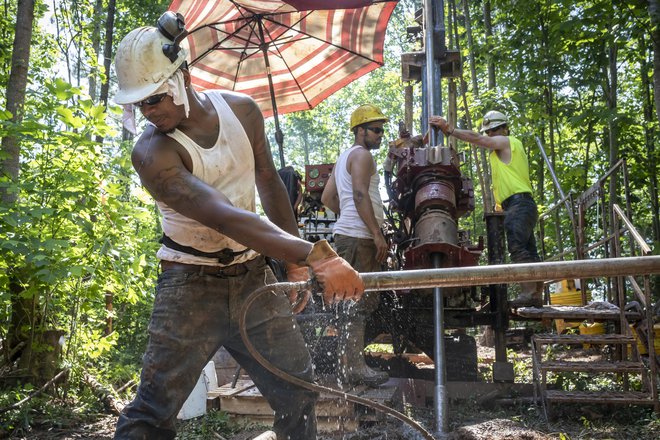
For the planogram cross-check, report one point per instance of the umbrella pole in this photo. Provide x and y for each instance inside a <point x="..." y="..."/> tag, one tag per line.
<point x="279" y="136"/>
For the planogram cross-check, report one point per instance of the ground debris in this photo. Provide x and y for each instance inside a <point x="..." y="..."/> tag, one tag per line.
<point x="496" y="429"/>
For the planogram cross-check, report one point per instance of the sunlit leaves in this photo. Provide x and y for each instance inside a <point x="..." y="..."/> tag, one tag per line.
<point x="66" y="116"/>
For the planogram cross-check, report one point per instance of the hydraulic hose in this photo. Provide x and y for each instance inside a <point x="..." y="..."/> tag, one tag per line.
<point x="282" y="289"/>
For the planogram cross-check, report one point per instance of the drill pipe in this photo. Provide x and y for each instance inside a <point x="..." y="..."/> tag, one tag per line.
<point x="509" y="273"/>
<point x="452" y="277"/>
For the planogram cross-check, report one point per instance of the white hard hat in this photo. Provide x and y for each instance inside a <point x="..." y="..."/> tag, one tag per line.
<point x="493" y="119"/>
<point x="145" y="59"/>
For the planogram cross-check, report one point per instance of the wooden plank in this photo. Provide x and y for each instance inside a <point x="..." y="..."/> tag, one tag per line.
<point x="622" y="397"/>
<point x="380" y="394"/>
<point x="389" y="396"/>
<point x="601" y="366"/>
<point x="582" y="339"/>
<point x="324" y="424"/>
<point x="337" y="425"/>
<point x="573" y="313"/>
<point x="336" y="408"/>
<point x="251" y="402"/>
<point x="227" y="390"/>
<point x="413" y="358"/>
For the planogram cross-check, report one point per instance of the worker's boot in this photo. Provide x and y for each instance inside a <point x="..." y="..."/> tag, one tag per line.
<point x="352" y="368"/>
<point x="531" y="295"/>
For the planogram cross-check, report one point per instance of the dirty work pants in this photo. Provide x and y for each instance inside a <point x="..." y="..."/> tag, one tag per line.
<point x="360" y="253"/>
<point x="521" y="216"/>
<point x="193" y="315"/>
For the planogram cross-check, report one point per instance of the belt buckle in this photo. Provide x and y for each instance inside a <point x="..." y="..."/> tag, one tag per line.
<point x="226" y="256"/>
<point x="231" y="271"/>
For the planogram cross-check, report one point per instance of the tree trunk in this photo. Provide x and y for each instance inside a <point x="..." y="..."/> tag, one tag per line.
<point x="20" y="63"/>
<point x="22" y="322"/>
<point x="489" y="45"/>
<point x="96" y="48"/>
<point x="478" y="154"/>
<point x="109" y="297"/>
<point x="470" y="42"/>
<point x="612" y="125"/>
<point x="452" y="112"/>
<point x="650" y="137"/>
<point x="550" y="112"/>
<point x="22" y="309"/>
<point x="654" y="13"/>
<point x="306" y="146"/>
<point x="107" y="51"/>
<point x="589" y="140"/>
<point x="107" y="57"/>
<point x="491" y="85"/>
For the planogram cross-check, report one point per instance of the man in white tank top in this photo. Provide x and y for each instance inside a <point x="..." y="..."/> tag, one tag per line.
<point x="352" y="192"/>
<point x="200" y="157"/>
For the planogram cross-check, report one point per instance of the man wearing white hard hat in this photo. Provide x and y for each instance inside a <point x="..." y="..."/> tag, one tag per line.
<point x="201" y="156"/>
<point x="512" y="190"/>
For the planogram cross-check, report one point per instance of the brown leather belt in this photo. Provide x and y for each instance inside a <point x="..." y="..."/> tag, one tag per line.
<point x="219" y="271"/>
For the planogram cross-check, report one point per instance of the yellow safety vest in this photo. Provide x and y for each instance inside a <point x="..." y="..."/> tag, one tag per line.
<point x="511" y="178"/>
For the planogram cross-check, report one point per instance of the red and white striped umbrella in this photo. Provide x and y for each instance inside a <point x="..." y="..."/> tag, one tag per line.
<point x="287" y="55"/>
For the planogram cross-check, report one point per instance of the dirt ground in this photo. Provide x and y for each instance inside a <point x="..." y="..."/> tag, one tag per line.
<point x="481" y="425"/>
<point x="498" y="429"/>
<point x="467" y="420"/>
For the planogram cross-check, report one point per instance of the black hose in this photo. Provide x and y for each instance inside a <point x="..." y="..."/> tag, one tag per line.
<point x="283" y="288"/>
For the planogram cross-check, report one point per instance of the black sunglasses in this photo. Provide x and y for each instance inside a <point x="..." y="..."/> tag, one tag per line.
<point x="152" y="100"/>
<point x="376" y="130"/>
<point x="491" y="130"/>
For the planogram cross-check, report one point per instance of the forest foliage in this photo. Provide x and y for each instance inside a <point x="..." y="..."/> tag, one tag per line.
<point x="78" y="234"/>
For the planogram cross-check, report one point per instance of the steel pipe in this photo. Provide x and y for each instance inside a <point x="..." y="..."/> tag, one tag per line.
<point x="510" y="273"/>
<point x="440" y="395"/>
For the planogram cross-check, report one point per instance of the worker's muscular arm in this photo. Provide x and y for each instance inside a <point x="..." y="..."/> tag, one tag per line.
<point x="272" y="193"/>
<point x="361" y="167"/>
<point x="497" y="143"/>
<point x="330" y="196"/>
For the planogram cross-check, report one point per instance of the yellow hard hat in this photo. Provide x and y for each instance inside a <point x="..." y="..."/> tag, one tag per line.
<point x="367" y="113"/>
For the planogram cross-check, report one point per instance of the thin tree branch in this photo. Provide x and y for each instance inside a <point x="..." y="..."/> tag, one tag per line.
<point x="34" y="393"/>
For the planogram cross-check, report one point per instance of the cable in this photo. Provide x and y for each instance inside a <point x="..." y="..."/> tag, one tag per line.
<point x="282" y="288"/>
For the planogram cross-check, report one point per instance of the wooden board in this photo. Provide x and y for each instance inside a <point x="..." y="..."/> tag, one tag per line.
<point x="250" y="401"/>
<point x="323" y="424"/>
<point x="388" y="396"/>
<point x="334" y="414"/>
<point x="227" y="390"/>
<point x="572" y="313"/>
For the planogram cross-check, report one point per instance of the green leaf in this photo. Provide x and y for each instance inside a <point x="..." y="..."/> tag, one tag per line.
<point x="67" y="116"/>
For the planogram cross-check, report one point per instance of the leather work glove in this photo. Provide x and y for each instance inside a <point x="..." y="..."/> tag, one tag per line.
<point x="337" y="278"/>
<point x="294" y="274"/>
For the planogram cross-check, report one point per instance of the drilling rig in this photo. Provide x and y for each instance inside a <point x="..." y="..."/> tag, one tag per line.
<point x="428" y="194"/>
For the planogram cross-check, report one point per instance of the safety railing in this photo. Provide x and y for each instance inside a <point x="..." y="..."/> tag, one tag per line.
<point x="643" y="296"/>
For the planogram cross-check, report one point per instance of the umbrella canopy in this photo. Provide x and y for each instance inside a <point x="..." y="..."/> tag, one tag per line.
<point x="286" y="55"/>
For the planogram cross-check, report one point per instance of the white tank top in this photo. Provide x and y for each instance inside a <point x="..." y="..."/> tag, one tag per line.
<point x="350" y="223"/>
<point x="228" y="166"/>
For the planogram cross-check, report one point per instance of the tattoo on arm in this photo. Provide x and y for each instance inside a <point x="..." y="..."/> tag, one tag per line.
<point x="358" y="197"/>
<point x="175" y="185"/>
